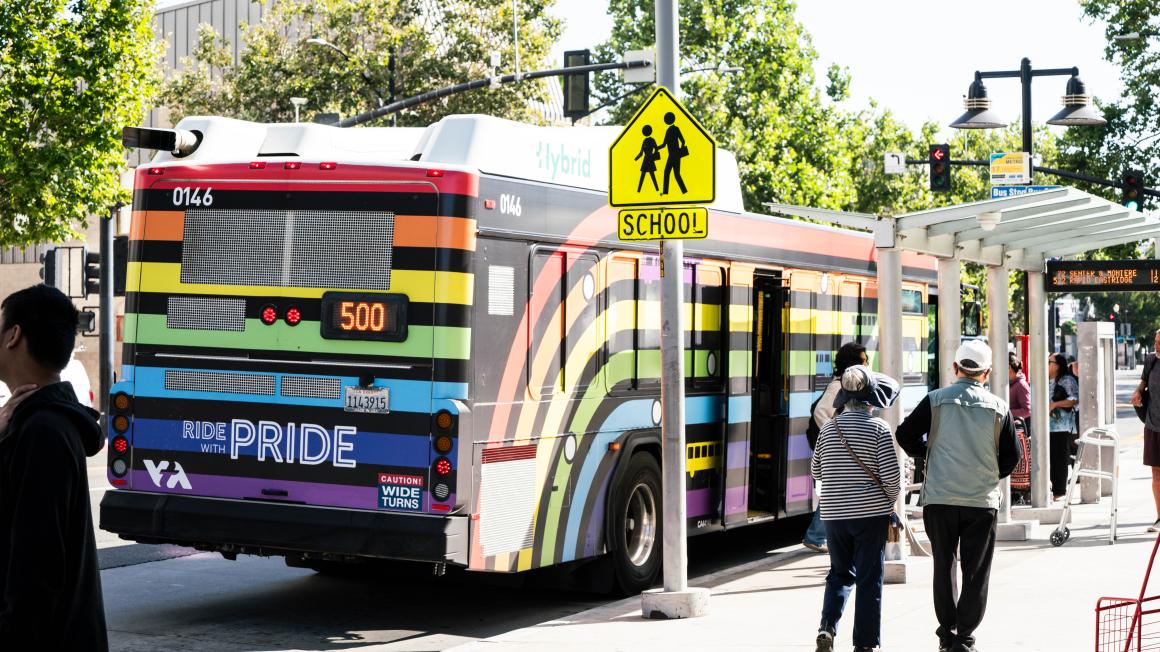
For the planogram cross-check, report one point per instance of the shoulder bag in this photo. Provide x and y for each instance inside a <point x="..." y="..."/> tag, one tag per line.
<point x="894" y="529"/>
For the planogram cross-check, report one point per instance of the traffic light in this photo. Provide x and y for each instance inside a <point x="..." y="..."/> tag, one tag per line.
<point x="940" y="168"/>
<point x="92" y="272"/>
<point x="1133" y="189"/>
<point x="576" y="85"/>
<point x="50" y="268"/>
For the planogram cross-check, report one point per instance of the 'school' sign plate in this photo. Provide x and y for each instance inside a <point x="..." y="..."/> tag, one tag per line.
<point x="371" y="400"/>
<point x="686" y="223"/>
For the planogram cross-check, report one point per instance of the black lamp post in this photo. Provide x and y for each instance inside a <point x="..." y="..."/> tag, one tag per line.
<point x="362" y="73"/>
<point x="1077" y="109"/>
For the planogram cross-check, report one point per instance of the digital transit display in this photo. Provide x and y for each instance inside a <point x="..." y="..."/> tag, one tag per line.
<point x="1102" y="275"/>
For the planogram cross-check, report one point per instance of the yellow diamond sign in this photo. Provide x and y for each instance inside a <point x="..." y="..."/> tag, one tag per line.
<point x="663" y="157"/>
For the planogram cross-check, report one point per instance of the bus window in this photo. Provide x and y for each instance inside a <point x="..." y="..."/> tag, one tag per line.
<point x="620" y="323"/>
<point x="545" y="369"/>
<point x="583" y="338"/>
<point x="912" y="301"/>
<point x="648" y="322"/>
<point x="707" y="325"/>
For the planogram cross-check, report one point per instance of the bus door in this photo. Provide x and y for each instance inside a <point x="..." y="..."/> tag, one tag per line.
<point x="770" y="402"/>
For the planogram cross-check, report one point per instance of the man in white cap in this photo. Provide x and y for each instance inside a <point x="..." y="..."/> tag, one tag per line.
<point x="968" y="439"/>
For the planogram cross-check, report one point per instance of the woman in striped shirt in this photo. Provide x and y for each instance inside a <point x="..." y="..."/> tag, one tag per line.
<point x="857" y="501"/>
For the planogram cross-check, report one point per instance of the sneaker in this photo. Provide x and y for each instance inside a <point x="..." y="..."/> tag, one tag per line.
<point x="825" y="642"/>
<point x="822" y="548"/>
<point x="1155" y="527"/>
<point x="863" y="648"/>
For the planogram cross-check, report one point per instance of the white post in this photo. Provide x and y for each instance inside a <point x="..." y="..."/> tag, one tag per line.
<point x="1037" y="376"/>
<point x="997" y="334"/>
<point x="950" y="318"/>
<point x="890" y="363"/>
<point x="677" y="600"/>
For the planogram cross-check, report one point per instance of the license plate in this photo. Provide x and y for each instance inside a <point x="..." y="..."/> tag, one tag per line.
<point x="372" y="400"/>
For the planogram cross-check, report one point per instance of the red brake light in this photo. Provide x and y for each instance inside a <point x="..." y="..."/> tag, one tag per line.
<point x="443" y="466"/>
<point x="120" y="445"/>
<point x="293" y="316"/>
<point x="269" y="315"/>
<point x="257" y="165"/>
<point x="156" y="171"/>
<point x="293" y="165"/>
<point x="440" y="508"/>
<point x="434" y="173"/>
<point x="327" y="165"/>
<point x="489" y="204"/>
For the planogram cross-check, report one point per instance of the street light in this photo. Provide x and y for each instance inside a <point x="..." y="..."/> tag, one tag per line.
<point x="1077" y="110"/>
<point x="316" y="40"/>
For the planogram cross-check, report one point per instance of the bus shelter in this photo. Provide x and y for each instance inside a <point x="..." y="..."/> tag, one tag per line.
<point x="1007" y="234"/>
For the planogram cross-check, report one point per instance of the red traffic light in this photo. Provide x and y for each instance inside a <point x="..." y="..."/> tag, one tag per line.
<point x="938" y="153"/>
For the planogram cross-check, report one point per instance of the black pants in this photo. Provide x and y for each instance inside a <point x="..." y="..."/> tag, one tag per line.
<point x="972" y="531"/>
<point x="1060" y="461"/>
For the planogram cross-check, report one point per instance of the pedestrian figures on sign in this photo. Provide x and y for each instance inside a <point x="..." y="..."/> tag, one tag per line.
<point x="677" y="150"/>
<point x="651" y="154"/>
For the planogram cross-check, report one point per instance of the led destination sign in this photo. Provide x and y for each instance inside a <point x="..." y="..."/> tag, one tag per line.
<point x="1102" y="275"/>
<point x="364" y="316"/>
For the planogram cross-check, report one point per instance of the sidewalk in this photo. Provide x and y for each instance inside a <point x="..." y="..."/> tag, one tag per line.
<point x="1041" y="597"/>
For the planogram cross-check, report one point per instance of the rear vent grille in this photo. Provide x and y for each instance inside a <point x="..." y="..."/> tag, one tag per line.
<point x="311" y="387"/>
<point x="206" y="314"/>
<point x="308" y="249"/>
<point x="220" y="383"/>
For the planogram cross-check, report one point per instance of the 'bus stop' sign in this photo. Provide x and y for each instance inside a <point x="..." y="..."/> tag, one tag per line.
<point x="1102" y="275"/>
<point x="664" y="159"/>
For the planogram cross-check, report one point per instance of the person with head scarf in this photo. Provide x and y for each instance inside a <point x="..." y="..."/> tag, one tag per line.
<point x="858" y="469"/>
<point x="967" y="436"/>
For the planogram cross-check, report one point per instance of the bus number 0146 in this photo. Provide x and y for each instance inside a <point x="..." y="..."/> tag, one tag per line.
<point x="190" y="196"/>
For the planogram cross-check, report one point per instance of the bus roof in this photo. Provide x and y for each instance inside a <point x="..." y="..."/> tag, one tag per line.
<point x="568" y="156"/>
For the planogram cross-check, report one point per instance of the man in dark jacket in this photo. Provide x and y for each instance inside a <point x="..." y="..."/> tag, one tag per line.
<point x="50" y="587"/>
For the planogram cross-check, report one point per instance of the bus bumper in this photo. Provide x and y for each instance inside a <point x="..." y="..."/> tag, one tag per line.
<point x="273" y="528"/>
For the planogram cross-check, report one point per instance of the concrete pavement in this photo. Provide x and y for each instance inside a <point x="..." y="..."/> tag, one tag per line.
<point x="1041" y="597"/>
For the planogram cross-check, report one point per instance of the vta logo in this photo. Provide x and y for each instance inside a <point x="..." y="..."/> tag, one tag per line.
<point x="176" y="479"/>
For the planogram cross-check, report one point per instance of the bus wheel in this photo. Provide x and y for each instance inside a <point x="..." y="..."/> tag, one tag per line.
<point x="636" y="525"/>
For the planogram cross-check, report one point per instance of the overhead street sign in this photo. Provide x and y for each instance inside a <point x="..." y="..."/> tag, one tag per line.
<point x="894" y="162"/>
<point x="1000" y="192"/>
<point x="1102" y="275"/>
<point x="1011" y="169"/>
<point x="684" y="223"/>
<point x="662" y="157"/>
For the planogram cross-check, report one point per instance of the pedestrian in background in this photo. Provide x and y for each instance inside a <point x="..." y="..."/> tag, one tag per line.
<point x="1018" y="390"/>
<point x="968" y="439"/>
<point x="1150" y="381"/>
<point x="50" y="588"/>
<point x="850" y="354"/>
<point x="856" y="464"/>
<point x="1062" y="421"/>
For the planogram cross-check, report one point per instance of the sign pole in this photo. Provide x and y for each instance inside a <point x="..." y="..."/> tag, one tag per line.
<point x="677" y="600"/>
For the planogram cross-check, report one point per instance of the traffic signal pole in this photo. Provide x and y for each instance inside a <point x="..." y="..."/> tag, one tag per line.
<point x="677" y="599"/>
<point x="106" y="303"/>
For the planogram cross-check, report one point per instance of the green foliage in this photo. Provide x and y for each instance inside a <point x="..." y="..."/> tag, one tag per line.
<point x="433" y="44"/>
<point x="72" y="74"/>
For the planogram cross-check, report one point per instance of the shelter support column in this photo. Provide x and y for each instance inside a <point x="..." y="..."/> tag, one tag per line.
<point x="997" y="337"/>
<point x="1037" y="376"/>
<point x="950" y="306"/>
<point x="890" y="363"/>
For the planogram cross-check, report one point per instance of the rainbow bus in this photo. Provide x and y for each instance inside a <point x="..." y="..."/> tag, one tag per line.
<point x="428" y="345"/>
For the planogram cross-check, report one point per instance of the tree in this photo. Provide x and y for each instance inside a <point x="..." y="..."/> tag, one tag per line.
<point x="72" y="74"/>
<point x="771" y="115"/>
<point x="432" y="44"/>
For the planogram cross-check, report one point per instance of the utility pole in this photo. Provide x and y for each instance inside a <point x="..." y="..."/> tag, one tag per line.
<point x="677" y="600"/>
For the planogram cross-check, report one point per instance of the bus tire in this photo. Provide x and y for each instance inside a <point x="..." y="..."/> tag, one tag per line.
<point x="635" y="529"/>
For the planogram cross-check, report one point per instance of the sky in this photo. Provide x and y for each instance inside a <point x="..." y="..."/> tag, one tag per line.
<point x="885" y="45"/>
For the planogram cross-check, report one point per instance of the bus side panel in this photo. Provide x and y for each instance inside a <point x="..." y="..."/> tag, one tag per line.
<point x="740" y="365"/>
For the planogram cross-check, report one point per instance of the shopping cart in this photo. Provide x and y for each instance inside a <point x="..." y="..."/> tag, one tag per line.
<point x="1101" y="438"/>
<point x="1129" y="624"/>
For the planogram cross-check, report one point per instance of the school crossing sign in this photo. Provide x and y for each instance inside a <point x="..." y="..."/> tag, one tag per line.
<point x="662" y="162"/>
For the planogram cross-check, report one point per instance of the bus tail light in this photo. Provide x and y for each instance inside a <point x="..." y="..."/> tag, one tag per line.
<point x="269" y="315"/>
<point x="443" y="466"/>
<point x="434" y="173"/>
<point x="120" y="423"/>
<point x="257" y="165"/>
<point x="441" y="491"/>
<point x="444" y="420"/>
<point x="120" y="445"/>
<point x="121" y="402"/>
<point x="292" y="165"/>
<point x="293" y="316"/>
<point x="327" y="165"/>
<point x="443" y="444"/>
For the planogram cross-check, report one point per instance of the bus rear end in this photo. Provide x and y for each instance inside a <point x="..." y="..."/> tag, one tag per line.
<point x="294" y="375"/>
